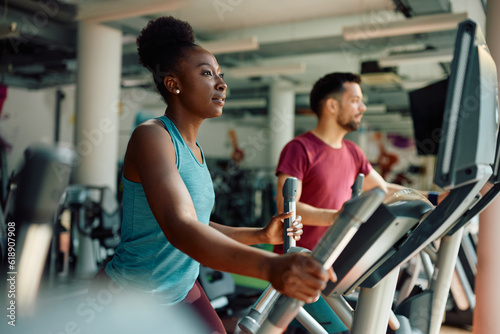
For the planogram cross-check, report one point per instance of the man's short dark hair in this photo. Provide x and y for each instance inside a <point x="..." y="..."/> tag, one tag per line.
<point x="329" y="85"/>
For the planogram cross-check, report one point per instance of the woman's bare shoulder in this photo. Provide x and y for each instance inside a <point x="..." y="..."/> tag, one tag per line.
<point x="148" y="131"/>
<point x="149" y="144"/>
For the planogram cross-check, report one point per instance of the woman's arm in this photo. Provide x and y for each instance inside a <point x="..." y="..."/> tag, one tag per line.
<point x="270" y="234"/>
<point x="151" y="157"/>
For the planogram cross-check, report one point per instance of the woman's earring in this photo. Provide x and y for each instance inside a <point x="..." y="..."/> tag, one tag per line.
<point x="177" y="91"/>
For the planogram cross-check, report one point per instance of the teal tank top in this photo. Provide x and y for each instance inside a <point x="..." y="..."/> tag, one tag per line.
<point x="144" y="259"/>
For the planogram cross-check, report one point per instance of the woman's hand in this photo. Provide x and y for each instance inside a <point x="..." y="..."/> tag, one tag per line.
<point x="274" y="230"/>
<point x="299" y="276"/>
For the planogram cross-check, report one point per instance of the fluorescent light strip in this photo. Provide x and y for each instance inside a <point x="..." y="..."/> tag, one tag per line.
<point x="457" y="97"/>
<point x="429" y="23"/>
<point x="231" y="45"/>
<point x="439" y="56"/>
<point x="256" y="71"/>
<point x="383" y="118"/>
<point x="245" y="103"/>
<point x="375" y="109"/>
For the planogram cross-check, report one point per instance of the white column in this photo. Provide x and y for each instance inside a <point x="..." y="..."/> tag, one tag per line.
<point x="97" y="98"/>
<point x="96" y="128"/>
<point x="486" y="319"/>
<point x="281" y="115"/>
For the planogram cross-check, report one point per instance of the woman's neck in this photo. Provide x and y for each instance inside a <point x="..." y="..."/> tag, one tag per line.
<point x="187" y="125"/>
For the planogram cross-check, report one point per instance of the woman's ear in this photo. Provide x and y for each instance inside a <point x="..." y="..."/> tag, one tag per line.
<point x="171" y="84"/>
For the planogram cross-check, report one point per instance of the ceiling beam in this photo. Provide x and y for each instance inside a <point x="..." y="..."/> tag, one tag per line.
<point x="98" y="11"/>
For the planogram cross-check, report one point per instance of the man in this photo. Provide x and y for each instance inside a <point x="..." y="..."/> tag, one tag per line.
<point x="325" y="164"/>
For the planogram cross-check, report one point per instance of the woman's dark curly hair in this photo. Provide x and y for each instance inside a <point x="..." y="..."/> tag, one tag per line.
<point x="161" y="45"/>
<point x="328" y="86"/>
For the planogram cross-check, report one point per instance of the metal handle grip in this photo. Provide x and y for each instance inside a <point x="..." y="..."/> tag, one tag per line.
<point x="289" y="195"/>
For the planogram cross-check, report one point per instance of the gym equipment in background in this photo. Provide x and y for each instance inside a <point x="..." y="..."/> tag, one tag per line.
<point x="243" y="197"/>
<point x="41" y="184"/>
<point x="218" y="286"/>
<point x="6" y="186"/>
<point x="96" y="213"/>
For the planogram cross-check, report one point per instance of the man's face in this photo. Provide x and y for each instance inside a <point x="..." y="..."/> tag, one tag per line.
<point x="351" y="107"/>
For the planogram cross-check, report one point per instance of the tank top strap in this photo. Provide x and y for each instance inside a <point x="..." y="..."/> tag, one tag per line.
<point x="171" y="128"/>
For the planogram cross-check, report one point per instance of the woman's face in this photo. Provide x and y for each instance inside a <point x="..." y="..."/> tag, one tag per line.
<point x="202" y="88"/>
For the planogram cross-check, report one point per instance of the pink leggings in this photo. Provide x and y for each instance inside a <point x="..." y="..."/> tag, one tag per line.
<point x="198" y="300"/>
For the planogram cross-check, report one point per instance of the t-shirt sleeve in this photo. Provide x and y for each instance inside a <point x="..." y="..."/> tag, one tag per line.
<point x="365" y="167"/>
<point x="293" y="160"/>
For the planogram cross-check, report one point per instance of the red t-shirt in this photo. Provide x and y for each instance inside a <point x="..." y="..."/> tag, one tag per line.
<point x="327" y="175"/>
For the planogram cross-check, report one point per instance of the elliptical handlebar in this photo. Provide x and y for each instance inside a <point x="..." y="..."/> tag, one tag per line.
<point x="283" y="309"/>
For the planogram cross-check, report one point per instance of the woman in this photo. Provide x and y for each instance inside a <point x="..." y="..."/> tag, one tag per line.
<point x="168" y="190"/>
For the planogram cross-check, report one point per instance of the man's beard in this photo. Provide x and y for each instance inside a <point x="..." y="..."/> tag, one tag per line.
<point x="350" y="126"/>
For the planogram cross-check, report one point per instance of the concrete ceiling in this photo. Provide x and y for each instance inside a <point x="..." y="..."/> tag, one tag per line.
<point x="38" y="42"/>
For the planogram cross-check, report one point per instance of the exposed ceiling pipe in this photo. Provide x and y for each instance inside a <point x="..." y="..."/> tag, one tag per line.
<point x="426" y="7"/>
<point x="55" y="10"/>
<point x="402" y="6"/>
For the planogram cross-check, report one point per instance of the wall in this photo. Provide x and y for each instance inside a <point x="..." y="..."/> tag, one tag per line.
<point x="28" y="117"/>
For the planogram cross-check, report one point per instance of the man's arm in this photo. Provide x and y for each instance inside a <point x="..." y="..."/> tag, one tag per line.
<point x="374" y="179"/>
<point x="310" y="215"/>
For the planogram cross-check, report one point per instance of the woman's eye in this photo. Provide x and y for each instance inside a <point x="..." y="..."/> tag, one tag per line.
<point x="221" y="75"/>
<point x="207" y="73"/>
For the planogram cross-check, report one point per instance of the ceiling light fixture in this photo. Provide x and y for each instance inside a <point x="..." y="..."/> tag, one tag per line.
<point x="245" y="103"/>
<point x="436" y="56"/>
<point x="257" y="71"/>
<point x="375" y="109"/>
<point x="417" y="25"/>
<point x="231" y="45"/>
